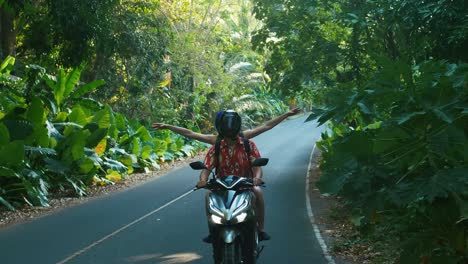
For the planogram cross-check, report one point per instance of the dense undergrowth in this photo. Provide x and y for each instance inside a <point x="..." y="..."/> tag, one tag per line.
<point x="397" y="153"/>
<point x="391" y="79"/>
<point x="54" y="139"/>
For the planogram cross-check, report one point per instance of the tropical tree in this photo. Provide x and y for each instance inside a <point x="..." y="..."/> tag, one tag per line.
<point x="391" y="79"/>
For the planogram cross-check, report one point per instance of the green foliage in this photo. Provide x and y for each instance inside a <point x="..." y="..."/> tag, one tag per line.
<point x="71" y="148"/>
<point x="65" y="85"/>
<point x="414" y="155"/>
<point x="389" y="77"/>
<point x="259" y="107"/>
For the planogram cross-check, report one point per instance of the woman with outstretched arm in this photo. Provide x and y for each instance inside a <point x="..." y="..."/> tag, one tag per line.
<point x="211" y="139"/>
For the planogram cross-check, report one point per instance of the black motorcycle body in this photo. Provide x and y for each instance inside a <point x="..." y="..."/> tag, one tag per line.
<point x="230" y="208"/>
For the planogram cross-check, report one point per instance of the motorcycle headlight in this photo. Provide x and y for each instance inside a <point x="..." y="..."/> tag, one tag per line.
<point x="214" y="209"/>
<point x="216" y="219"/>
<point x="240" y="218"/>
<point x="241" y="207"/>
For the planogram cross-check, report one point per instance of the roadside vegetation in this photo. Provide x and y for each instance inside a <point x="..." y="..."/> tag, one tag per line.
<point x="81" y="81"/>
<point x="391" y="79"/>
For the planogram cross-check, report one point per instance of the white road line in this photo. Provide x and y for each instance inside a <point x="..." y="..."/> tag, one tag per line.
<point x="320" y="240"/>
<point x="74" y="255"/>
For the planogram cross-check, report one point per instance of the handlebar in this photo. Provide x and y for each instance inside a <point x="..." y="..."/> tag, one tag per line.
<point x="211" y="184"/>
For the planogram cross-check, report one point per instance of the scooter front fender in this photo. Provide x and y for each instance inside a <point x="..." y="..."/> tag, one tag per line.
<point x="228" y="235"/>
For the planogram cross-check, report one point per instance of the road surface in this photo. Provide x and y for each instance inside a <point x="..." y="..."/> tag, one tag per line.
<point x="162" y="221"/>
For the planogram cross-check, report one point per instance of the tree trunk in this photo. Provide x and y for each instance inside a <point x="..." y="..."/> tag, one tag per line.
<point x="7" y="33"/>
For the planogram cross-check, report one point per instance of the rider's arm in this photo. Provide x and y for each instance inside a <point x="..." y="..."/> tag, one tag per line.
<point x="251" y="133"/>
<point x="257" y="175"/>
<point x="257" y="171"/>
<point x="210" y="139"/>
<point x="203" y="178"/>
<point x="204" y="175"/>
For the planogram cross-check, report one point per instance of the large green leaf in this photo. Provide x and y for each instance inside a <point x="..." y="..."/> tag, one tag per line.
<point x="389" y="139"/>
<point x="52" y="131"/>
<point x="96" y="137"/>
<point x="136" y="146"/>
<point x="443" y="116"/>
<point x="87" y="88"/>
<point x="90" y="104"/>
<point x="72" y="148"/>
<point x="59" y="87"/>
<point x="323" y="114"/>
<point x="444" y="182"/>
<point x="36" y="113"/>
<point x="8" y="172"/>
<point x="40" y="151"/>
<point x="12" y="154"/>
<point x="146" y="151"/>
<point x="91" y="154"/>
<point x="4" y="135"/>
<point x="128" y="159"/>
<point x="56" y="166"/>
<point x="86" y="165"/>
<point x="143" y="134"/>
<point x="113" y="132"/>
<point x="78" y="116"/>
<point x="7" y="65"/>
<point x="409" y="116"/>
<point x="19" y="129"/>
<point x="115" y="165"/>
<point x="332" y="183"/>
<point x="160" y="146"/>
<point x="188" y="150"/>
<point x="78" y="147"/>
<point x="120" y="122"/>
<point x="79" y="186"/>
<point x="72" y="79"/>
<point x="104" y="117"/>
<point x="6" y="204"/>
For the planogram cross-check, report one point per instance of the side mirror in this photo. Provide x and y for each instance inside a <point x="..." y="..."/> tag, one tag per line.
<point x="198" y="165"/>
<point x="260" y="162"/>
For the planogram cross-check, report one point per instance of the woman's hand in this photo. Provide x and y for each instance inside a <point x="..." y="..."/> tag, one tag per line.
<point x="201" y="183"/>
<point x="294" y="111"/>
<point x="159" y="126"/>
<point x="257" y="181"/>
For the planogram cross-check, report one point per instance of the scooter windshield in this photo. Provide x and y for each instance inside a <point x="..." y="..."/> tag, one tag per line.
<point x="229" y="182"/>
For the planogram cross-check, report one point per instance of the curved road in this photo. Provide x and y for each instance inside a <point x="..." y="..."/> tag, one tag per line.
<point x="163" y="221"/>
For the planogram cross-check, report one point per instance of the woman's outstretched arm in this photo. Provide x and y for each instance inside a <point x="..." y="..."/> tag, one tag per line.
<point x="206" y="138"/>
<point x="211" y="139"/>
<point x="251" y="133"/>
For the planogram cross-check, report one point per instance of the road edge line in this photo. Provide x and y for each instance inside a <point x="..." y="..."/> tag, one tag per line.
<point x="319" y="237"/>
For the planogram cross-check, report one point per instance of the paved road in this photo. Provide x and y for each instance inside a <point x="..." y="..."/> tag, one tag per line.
<point x="163" y="222"/>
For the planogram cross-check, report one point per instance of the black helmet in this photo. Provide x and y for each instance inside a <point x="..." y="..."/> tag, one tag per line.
<point x="218" y="120"/>
<point x="230" y="124"/>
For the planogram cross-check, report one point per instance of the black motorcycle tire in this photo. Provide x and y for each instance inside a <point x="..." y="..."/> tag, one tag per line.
<point x="231" y="252"/>
<point x="250" y="247"/>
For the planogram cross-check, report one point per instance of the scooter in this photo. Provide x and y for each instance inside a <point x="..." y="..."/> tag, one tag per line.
<point x="231" y="217"/>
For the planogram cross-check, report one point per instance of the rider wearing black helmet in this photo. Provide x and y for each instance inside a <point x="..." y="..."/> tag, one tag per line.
<point x="212" y="138"/>
<point x="234" y="158"/>
<point x="229" y="124"/>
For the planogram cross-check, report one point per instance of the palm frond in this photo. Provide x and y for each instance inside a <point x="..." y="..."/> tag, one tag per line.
<point x="39" y="151"/>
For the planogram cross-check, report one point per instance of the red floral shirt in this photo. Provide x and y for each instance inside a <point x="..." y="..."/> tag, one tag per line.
<point x="233" y="160"/>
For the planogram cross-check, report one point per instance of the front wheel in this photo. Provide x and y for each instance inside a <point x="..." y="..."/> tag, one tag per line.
<point x="232" y="253"/>
<point x="250" y="247"/>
